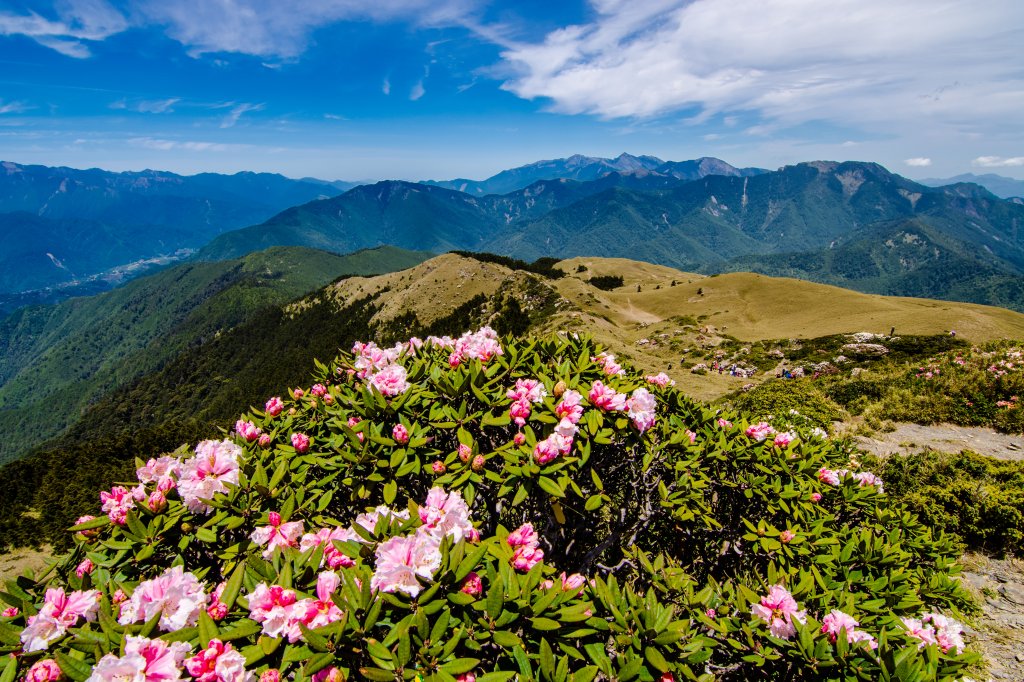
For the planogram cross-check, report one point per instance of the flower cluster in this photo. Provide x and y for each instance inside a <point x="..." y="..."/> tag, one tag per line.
<point x="608" y="364"/>
<point x="480" y="345"/>
<point x="523" y="395"/>
<point x="862" y="478"/>
<point x="150" y="660"/>
<point x="661" y="380"/>
<point x="59" y="612"/>
<point x="837" y="621"/>
<point x="214" y="467"/>
<point x="282" y="614"/>
<point x="177" y="596"/>
<point x="934" y="628"/>
<point x="778" y="609"/>
<point x="277" y="534"/>
<point x="525" y="544"/>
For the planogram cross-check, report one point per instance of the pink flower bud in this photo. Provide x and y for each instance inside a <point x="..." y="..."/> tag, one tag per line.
<point x="400" y="434"/>
<point x="274" y="518"/>
<point x="165" y="485"/>
<point x="300" y="442"/>
<point x="472" y="585"/>
<point x="787" y="536"/>
<point x="272" y="675"/>
<point x="519" y="438"/>
<point x="274" y="406"/>
<point x="473" y="535"/>
<point x="84" y="568"/>
<point x="318" y="390"/>
<point x="118" y="596"/>
<point x="45" y="670"/>
<point x="710" y="613"/>
<point x="466" y="677"/>
<point x="157" y="502"/>
<point x="478" y="463"/>
<point x="465" y="452"/>
<point x="11" y="612"/>
<point x="298" y="393"/>
<point x="667" y="677"/>
<point x="218" y="610"/>
<point x="815" y="497"/>
<point x="265" y="440"/>
<point x="328" y="399"/>
<point x="438" y="467"/>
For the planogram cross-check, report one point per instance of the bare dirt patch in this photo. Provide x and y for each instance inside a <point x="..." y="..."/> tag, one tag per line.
<point x="909" y="438"/>
<point x="15" y="563"/>
<point x="999" y="585"/>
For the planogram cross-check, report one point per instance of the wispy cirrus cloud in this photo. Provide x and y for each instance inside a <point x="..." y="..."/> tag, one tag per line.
<point x="69" y="29"/>
<point x="163" y="145"/>
<point x="998" y="161"/>
<point x="237" y="112"/>
<point x="14" y="107"/>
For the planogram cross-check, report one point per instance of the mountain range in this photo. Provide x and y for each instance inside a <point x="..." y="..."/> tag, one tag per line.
<point x="62" y="226"/>
<point x="1000" y="185"/>
<point x="851" y="223"/>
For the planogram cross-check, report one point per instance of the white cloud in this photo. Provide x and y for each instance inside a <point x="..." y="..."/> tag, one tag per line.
<point x="76" y="23"/>
<point x="271" y="28"/>
<point x="998" y="161"/>
<point x="856" y="63"/>
<point x="918" y="161"/>
<point x="417" y="91"/>
<point x="192" y="146"/>
<point x="385" y="87"/>
<point x="335" y="117"/>
<point x="157" y="106"/>
<point x="14" y="107"/>
<point x="236" y="113"/>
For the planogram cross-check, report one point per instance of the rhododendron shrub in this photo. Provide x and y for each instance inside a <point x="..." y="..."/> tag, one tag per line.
<point x="483" y="508"/>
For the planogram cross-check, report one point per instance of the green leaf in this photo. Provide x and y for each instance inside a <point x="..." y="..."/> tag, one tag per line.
<point x="544" y="624"/>
<point x="655" y="658"/>
<point x="233" y="586"/>
<point x="495" y="598"/>
<point x="390" y="491"/>
<point x="73" y="668"/>
<point x="506" y="639"/>
<point x="460" y="665"/>
<point x="207" y="628"/>
<point x="550" y="487"/>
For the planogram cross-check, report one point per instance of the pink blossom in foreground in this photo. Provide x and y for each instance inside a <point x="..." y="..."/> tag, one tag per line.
<point x="214" y="466"/>
<point x="525" y="558"/>
<point x="368" y="520"/>
<point x="400" y="434"/>
<point x="45" y="670"/>
<point x="271" y="675"/>
<point x="247" y="430"/>
<point x="319" y="390"/>
<point x="608" y="364"/>
<point x="526" y="551"/>
<point x="836" y="621"/>
<point x="92" y="532"/>
<point x="759" y="431"/>
<point x="300" y="442"/>
<point x="446" y="513"/>
<point x="934" y="628"/>
<point x="401" y="561"/>
<point x="606" y="398"/>
<point x="530" y="390"/>
<point x="117" y="503"/>
<point x="787" y="536"/>
<point x="641" y="406"/>
<point x="277" y="535"/>
<point x="480" y="345"/>
<point x="265" y="440"/>
<point x="570" y="407"/>
<point x="176" y="596"/>
<point x="316" y="613"/>
<point x="271" y="606"/>
<point x="551" y="447"/>
<point x="84" y="568"/>
<point x="831" y="476"/>
<point x="333" y="557"/>
<point x="815" y="497"/>
<point x="520" y="411"/>
<point x="865" y="478"/>
<point x="779" y="610"/>
<point x="390" y="381"/>
<point x="274" y="406"/>
<point x="782" y="440"/>
<point x="724" y="423"/>
<point x="524" y="535"/>
<point x="59" y="612"/>
<point x="11" y="612"/>
<point x="660" y="379"/>
<point x="144" y="660"/>
<point x="217" y="610"/>
<point x="572" y="583"/>
<point x="161" y="470"/>
<point x="329" y="674"/>
<point x="219" y="662"/>
<point x="465" y="452"/>
<point x="156" y="502"/>
<point x="472" y="585"/>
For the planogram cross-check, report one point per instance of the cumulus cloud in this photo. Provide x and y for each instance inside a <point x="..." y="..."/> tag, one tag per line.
<point x="998" y="161"/>
<point x="73" y="24"/>
<point x="236" y="113"/>
<point x="861" y="63"/>
<point x="918" y="161"/>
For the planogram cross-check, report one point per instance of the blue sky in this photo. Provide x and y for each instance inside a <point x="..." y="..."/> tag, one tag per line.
<point x="416" y="89"/>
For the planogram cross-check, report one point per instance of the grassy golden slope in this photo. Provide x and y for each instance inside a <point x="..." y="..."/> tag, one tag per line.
<point x="746" y="306"/>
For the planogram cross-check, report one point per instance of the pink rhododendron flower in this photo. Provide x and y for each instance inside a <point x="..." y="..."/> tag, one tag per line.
<point x="570" y="407"/>
<point x="480" y="345"/>
<point x="526" y="552"/>
<point x="368" y="520"/>
<point x="59" y="612"/>
<point x="779" y="610"/>
<point x="390" y="381"/>
<point x="144" y="660"/>
<point x="606" y="398"/>
<point x="787" y="536"/>
<point x="84" y="568"/>
<point x="214" y="466"/>
<point x="550" y="448"/>
<point x="710" y="613"/>
<point x="300" y="442"/>
<point x="277" y="535"/>
<point x="530" y="390"/>
<point x="318" y="390"/>
<point x="118" y="596"/>
<point x="352" y="423"/>
<point x="117" y="503"/>
<point x="759" y="431"/>
<point x="472" y="585"/>
<point x="401" y="560"/>
<point x="815" y="497"/>
<point x="438" y="467"/>
<point x="465" y="452"/>
<point x="724" y="423"/>
<point x="519" y="438"/>
<point x="445" y="514"/>
<point x="478" y="463"/>
<point x="608" y="364"/>
<point x="271" y="675"/>
<point x="45" y="670"/>
<point x="156" y="502"/>
<point x="466" y="677"/>
<point x="247" y="430"/>
<point x="660" y="379"/>
<point x="400" y="434"/>
<point x="692" y="436"/>
<point x="782" y="440"/>
<point x="217" y="610"/>
<point x="219" y="662"/>
<point x="11" y="612"/>
<point x="274" y="406"/>
<point x="329" y="674"/>
<point x="864" y="478"/>
<point x="265" y="440"/>
<point x="316" y="613"/>
<point x="520" y="411"/>
<point x="161" y="470"/>
<point x="333" y="557"/>
<point x="271" y="606"/>
<point x="572" y="582"/>
<point x="830" y="476"/>
<point x="934" y="628"/>
<point x="641" y="405"/>
<point x="298" y="393"/>
<point x="177" y="596"/>
<point x="92" y="532"/>
<point x="524" y="535"/>
<point x="836" y="621"/>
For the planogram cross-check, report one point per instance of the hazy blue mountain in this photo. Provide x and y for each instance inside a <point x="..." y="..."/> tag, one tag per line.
<point x="584" y="168"/>
<point x="63" y="225"/>
<point x="1000" y="185"/>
